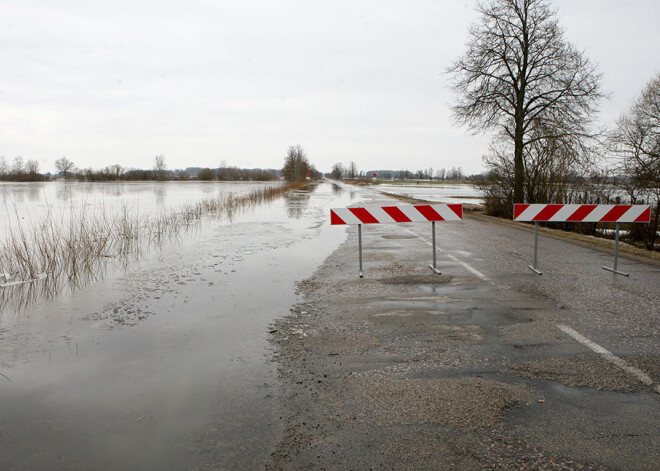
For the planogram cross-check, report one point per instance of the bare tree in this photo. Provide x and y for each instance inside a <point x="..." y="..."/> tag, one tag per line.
<point x="296" y="164"/>
<point x="116" y="170"/>
<point x="160" y="166"/>
<point x="4" y="166"/>
<point x="637" y="145"/>
<point x="637" y="138"/>
<point x="519" y="73"/>
<point x="65" y="166"/>
<point x="338" y="171"/>
<point x="18" y="167"/>
<point x="32" y="167"/>
<point x="352" y="171"/>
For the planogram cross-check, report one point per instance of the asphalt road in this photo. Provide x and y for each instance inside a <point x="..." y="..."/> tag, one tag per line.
<point x="487" y="366"/>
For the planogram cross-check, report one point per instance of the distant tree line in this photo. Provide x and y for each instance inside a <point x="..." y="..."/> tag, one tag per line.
<point x="340" y="171"/>
<point x="21" y="170"/>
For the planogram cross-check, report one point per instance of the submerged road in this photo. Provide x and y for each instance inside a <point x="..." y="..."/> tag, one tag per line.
<point x="487" y="366"/>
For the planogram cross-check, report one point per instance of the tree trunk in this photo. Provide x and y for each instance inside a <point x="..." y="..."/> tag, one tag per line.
<point x="518" y="167"/>
<point x="654" y="228"/>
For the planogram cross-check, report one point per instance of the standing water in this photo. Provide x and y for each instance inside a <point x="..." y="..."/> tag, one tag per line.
<point x="166" y="366"/>
<point x="436" y="192"/>
<point x="29" y="203"/>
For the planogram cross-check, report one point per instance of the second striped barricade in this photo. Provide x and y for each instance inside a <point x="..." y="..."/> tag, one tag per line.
<point x="616" y="213"/>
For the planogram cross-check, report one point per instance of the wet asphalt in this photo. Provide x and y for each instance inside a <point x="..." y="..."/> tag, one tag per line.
<point x="473" y="368"/>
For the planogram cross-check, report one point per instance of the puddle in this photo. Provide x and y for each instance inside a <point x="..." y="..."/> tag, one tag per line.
<point x="460" y="333"/>
<point x="591" y="371"/>
<point x="436" y="299"/>
<point x="404" y="313"/>
<point x="395" y="237"/>
<point x="416" y="280"/>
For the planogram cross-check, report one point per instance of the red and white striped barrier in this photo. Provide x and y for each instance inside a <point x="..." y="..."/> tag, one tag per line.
<point x="374" y="214"/>
<point x="582" y="212"/>
<point x="617" y="213"/>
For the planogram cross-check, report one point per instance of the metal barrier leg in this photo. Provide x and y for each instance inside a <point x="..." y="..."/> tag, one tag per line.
<point x="360" y="245"/>
<point x="534" y="268"/>
<point x="616" y="255"/>
<point x="433" y="267"/>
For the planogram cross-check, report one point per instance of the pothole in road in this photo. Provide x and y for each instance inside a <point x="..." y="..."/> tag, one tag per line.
<point x="440" y="298"/>
<point x="408" y="313"/>
<point x="416" y="280"/>
<point x="396" y="237"/>
<point x="460" y="333"/>
<point x="532" y="333"/>
<point x="591" y="371"/>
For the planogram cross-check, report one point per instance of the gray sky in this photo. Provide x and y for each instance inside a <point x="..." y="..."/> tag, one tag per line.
<point x="104" y="82"/>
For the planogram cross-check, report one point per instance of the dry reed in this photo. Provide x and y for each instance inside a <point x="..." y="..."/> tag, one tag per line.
<point x="47" y="257"/>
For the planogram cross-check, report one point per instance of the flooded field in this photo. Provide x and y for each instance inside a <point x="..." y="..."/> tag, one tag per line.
<point x="29" y="203"/>
<point x="49" y="246"/>
<point x="441" y="193"/>
<point x="165" y="365"/>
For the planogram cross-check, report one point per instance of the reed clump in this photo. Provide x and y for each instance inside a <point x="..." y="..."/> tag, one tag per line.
<point x="46" y="257"/>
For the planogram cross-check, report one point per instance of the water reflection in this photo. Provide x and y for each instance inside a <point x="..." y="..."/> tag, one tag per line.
<point x="64" y="192"/>
<point x="161" y="193"/>
<point x="208" y="188"/>
<point x="297" y="201"/>
<point x="117" y="190"/>
<point x="33" y="192"/>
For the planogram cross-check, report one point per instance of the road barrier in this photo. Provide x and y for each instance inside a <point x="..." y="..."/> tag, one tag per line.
<point x="616" y="213"/>
<point x="373" y="214"/>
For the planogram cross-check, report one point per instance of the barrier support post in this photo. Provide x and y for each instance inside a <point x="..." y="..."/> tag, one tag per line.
<point x="616" y="255"/>
<point x="360" y="245"/>
<point x="433" y="267"/>
<point x="535" y="268"/>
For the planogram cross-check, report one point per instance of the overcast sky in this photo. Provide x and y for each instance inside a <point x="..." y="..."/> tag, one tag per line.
<point x="104" y="82"/>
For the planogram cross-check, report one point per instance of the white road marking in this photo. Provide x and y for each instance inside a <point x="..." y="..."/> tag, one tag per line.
<point x="468" y="267"/>
<point x="636" y="372"/>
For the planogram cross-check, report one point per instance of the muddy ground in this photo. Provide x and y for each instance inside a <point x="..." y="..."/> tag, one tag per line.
<point x="409" y="370"/>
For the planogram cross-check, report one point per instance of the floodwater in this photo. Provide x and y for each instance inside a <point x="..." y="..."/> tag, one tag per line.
<point x="441" y="193"/>
<point x="168" y="365"/>
<point x="29" y="203"/>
